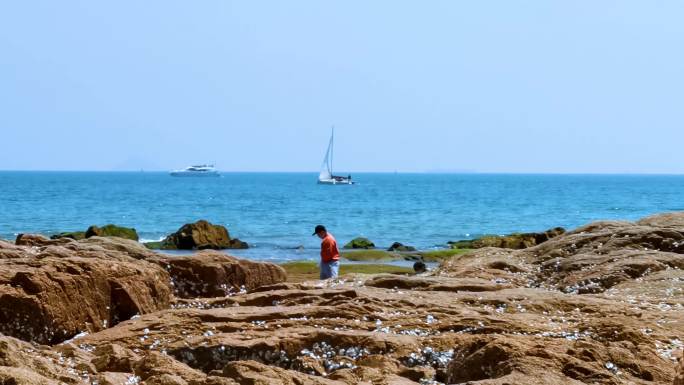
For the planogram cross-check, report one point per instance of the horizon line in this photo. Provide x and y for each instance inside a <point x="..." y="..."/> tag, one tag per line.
<point x="445" y="172"/>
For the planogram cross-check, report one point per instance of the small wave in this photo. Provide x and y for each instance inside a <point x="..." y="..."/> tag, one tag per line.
<point x="145" y="240"/>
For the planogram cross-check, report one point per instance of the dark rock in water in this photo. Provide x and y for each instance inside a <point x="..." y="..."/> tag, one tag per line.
<point x="396" y="246"/>
<point x="360" y="243"/>
<point x="112" y="231"/>
<point x="76" y="235"/>
<point x="237" y="244"/>
<point x="511" y="241"/>
<point x="419" y="267"/>
<point x="201" y="235"/>
<point x="214" y="274"/>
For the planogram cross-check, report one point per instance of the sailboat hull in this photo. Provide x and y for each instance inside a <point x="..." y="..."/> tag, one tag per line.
<point x="343" y="181"/>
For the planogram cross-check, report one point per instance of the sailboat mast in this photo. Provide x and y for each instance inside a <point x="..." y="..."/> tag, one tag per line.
<point x="332" y="148"/>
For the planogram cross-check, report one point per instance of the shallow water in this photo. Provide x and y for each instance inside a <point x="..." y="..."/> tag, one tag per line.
<point x="276" y="212"/>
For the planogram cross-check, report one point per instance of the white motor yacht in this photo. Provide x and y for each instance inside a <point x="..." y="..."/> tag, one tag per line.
<point x="197" y="170"/>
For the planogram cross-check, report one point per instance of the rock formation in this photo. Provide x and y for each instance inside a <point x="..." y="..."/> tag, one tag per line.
<point x="603" y="304"/>
<point x="213" y="274"/>
<point x="55" y="291"/>
<point x="201" y="235"/>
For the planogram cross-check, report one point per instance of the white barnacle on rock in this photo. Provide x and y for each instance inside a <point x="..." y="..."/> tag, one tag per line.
<point x="260" y="323"/>
<point x="132" y="380"/>
<point x="74" y="338"/>
<point x="612" y="367"/>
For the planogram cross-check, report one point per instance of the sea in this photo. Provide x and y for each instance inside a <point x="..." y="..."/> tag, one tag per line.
<point x="276" y="212"/>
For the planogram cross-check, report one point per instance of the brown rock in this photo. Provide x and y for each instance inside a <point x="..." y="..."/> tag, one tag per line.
<point x="252" y="372"/>
<point x="23" y="363"/>
<point x="166" y="379"/>
<point x="213" y="274"/>
<point x="163" y="367"/>
<point x="202" y="235"/>
<point x="50" y="296"/>
<point x="673" y="220"/>
<point x="115" y="378"/>
<point x="39" y="240"/>
<point x="679" y="377"/>
<point x="111" y="247"/>
<point x="10" y="250"/>
<point x="114" y="358"/>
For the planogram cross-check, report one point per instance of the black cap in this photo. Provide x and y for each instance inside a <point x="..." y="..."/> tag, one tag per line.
<point x="318" y="229"/>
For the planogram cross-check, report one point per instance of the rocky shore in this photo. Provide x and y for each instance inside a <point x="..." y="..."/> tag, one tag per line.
<point x="601" y="304"/>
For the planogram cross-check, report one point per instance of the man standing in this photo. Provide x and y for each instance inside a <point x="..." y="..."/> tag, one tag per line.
<point x="330" y="256"/>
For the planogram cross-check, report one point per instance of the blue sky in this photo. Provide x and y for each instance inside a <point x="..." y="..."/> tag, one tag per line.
<point x="490" y="86"/>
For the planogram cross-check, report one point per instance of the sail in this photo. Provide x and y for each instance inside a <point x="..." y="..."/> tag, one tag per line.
<point x="326" y="167"/>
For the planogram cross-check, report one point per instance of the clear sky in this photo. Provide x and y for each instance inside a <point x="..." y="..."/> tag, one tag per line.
<point x="490" y="86"/>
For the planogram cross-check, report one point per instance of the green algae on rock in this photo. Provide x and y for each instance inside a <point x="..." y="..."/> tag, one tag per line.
<point x="440" y="255"/>
<point x="364" y="255"/>
<point x="359" y="243"/>
<point x="111" y="230"/>
<point x="510" y="241"/>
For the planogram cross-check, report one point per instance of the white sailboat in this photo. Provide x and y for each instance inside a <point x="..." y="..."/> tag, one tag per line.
<point x="326" y="175"/>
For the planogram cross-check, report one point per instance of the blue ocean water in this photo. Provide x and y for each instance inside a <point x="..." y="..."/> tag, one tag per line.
<point x="276" y="212"/>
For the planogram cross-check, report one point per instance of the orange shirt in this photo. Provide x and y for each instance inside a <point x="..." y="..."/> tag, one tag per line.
<point x="329" y="250"/>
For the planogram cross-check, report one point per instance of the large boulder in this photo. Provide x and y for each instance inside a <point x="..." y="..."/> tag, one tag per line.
<point x="214" y="274"/>
<point x="360" y="243"/>
<point x="53" y="293"/>
<point x="201" y="235"/>
<point x="511" y="241"/>
<point x="112" y="231"/>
